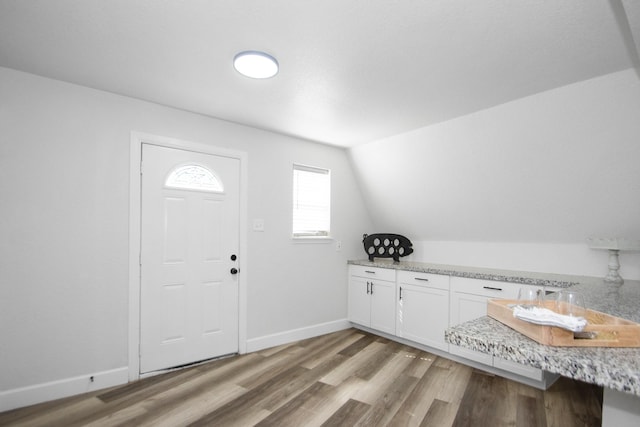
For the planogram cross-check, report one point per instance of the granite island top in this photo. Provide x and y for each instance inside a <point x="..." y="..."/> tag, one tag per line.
<point x="616" y="368"/>
<point x="522" y="277"/>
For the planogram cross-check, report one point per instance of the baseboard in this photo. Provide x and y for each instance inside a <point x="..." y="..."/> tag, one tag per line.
<point x="286" y="337"/>
<point x="25" y="396"/>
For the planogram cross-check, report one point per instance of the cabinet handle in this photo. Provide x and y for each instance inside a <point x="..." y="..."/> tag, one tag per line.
<point x="367" y="287"/>
<point x="370" y="272"/>
<point x="371" y="288"/>
<point x="420" y="278"/>
<point x="493" y="289"/>
<point x="400" y="293"/>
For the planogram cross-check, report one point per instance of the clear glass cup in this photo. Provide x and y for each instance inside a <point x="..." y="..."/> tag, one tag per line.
<point x="529" y="296"/>
<point x="570" y="303"/>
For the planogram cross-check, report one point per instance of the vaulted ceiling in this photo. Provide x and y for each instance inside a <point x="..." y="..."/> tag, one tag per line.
<point x="351" y="71"/>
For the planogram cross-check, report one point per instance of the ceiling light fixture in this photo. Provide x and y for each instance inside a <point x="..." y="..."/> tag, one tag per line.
<point x="257" y="65"/>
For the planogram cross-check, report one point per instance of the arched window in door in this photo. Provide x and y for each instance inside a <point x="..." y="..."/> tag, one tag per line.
<point x="194" y="177"/>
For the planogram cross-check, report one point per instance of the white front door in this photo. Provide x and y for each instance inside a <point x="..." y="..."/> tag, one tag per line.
<point x="189" y="247"/>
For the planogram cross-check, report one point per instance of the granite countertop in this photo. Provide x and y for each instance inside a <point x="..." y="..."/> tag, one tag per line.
<point x="522" y="277"/>
<point x="616" y="368"/>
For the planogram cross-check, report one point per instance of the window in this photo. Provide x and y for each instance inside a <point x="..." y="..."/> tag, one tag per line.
<point x="194" y="177"/>
<point x="311" y="201"/>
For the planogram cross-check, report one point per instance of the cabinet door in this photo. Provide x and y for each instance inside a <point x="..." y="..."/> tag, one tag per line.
<point x="359" y="301"/>
<point x="383" y="306"/>
<point x="466" y="307"/>
<point x="423" y="315"/>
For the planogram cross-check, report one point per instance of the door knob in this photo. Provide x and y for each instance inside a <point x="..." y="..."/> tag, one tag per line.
<point x="234" y="270"/>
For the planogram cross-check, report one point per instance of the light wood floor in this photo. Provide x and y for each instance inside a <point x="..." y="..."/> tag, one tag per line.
<point x="346" y="378"/>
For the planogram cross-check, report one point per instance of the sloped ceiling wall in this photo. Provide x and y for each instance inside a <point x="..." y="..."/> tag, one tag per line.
<point x="554" y="167"/>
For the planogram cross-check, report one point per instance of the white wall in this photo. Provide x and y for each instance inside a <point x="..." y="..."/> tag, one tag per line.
<point x="521" y="185"/>
<point x="64" y="171"/>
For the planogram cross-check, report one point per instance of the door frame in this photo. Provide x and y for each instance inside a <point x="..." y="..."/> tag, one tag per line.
<point x="135" y="199"/>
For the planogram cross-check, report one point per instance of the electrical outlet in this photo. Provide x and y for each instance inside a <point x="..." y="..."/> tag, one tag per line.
<point x="338" y="245"/>
<point x="258" y="225"/>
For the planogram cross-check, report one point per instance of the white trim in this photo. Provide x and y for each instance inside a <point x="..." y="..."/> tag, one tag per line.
<point x="30" y="395"/>
<point x="268" y="341"/>
<point x="323" y="239"/>
<point x="137" y="139"/>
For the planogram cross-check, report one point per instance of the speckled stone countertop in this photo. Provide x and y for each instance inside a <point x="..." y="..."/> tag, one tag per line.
<point x="616" y="368"/>
<point x="526" y="278"/>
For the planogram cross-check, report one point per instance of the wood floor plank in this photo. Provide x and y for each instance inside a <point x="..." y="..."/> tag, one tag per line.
<point x="476" y="407"/>
<point x="191" y="410"/>
<point x="122" y="417"/>
<point x="457" y="378"/>
<point x="267" y="352"/>
<point x="329" y="350"/>
<point x="268" y="368"/>
<point x="357" y="346"/>
<point x="312" y="351"/>
<point x="382" y="410"/>
<point x="422" y="361"/>
<point x="338" y="397"/>
<point x="440" y="414"/>
<point x="573" y="403"/>
<point x="529" y="412"/>
<point x="585" y="400"/>
<point x="342" y="336"/>
<point x="388" y="352"/>
<point x="387" y="373"/>
<point x="354" y="363"/>
<point x="197" y="396"/>
<point x="298" y="385"/>
<point x="301" y="410"/>
<point x="147" y="386"/>
<point x="504" y="404"/>
<point x="278" y="391"/>
<point x="246" y="405"/>
<point x="348" y="414"/>
<point x="32" y="412"/>
<point x="65" y="413"/>
<point x="419" y="401"/>
<point x="163" y="394"/>
<point x="324" y="342"/>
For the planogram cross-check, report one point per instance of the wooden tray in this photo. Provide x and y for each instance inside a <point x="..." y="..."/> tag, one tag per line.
<point x="610" y="331"/>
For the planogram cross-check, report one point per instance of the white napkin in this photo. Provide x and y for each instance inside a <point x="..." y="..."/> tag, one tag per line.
<point x="544" y="316"/>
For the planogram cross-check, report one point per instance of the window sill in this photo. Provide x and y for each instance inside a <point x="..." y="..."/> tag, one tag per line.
<point x="320" y="239"/>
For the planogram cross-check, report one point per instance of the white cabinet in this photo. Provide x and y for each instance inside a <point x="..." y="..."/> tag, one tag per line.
<point x="423" y="308"/>
<point x="465" y="307"/>
<point x="359" y="300"/>
<point x="469" y="301"/>
<point x="372" y="297"/>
